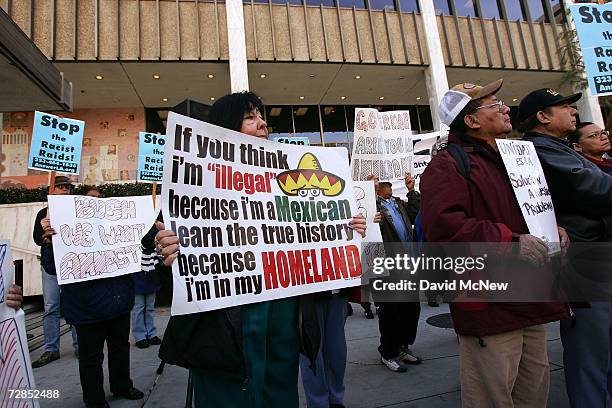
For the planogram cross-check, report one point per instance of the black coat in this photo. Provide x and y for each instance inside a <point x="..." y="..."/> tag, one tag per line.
<point x="47" y="261"/>
<point x="97" y="300"/>
<point x="212" y="341"/>
<point x="581" y="192"/>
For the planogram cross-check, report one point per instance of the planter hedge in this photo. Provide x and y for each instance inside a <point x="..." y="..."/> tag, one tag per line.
<point x="25" y="195"/>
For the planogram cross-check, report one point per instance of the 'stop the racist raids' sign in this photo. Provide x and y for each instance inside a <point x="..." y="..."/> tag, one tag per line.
<point x="255" y="221"/>
<point x="56" y="144"/>
<point x="593" y="25"/>
<point x="150" y="157"/>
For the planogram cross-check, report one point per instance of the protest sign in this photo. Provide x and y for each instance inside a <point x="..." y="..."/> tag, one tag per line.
<point x="423" y="144"/>
<point x="150" y="157"/>
<point x="15" y="364"/>
<point x="254" y="221"/>
<point x="56" y="144"/>
<point x="382" y="147"/>
<point x="304" y="141"/>
<point x="98" y="237"/>
<point x="593" y="23"/>
<point x="365" y="195"/>
<point x="531" y="190"/>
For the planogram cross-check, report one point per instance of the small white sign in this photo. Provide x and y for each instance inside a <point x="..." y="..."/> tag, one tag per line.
<point x="531" y="190"/>
<point x="98" y="237"/>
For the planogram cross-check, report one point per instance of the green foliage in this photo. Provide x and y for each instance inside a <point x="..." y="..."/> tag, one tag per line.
<point x="25" y="195"/>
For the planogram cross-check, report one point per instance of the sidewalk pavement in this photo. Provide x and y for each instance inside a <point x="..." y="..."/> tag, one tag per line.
<point x="369" y="384"/>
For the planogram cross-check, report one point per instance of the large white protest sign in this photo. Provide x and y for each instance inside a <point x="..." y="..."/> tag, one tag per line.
<point x="15" y="364"/>
<point x="531" y="190"/>
<point x="382" y="147"/>
<point x="98" y="237"/>
<point x="255" y="220"/>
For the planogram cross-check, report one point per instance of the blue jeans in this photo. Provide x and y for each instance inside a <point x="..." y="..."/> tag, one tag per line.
<point x="143" y="317"/>
<point x="327" y="385"/>
<point x="587" y="356"/>
<point x="51" y="317"/>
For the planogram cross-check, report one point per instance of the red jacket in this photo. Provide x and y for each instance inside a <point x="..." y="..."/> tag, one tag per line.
<point x="484" y="211"/>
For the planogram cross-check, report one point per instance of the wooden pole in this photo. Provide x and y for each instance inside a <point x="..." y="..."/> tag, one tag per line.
<point x="154" y="193"/>
<point x="52" y="183"/>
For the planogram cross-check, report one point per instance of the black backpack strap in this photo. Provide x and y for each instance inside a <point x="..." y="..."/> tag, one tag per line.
<point x="461" y="158"/>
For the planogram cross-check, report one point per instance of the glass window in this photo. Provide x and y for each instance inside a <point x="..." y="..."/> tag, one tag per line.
<point x="514" y="10"/>
<point x="256" y="1"/>
<point x="558" y="11"/>
<point x="442" y="7"/>
<point x="278" y="119"/>
<point x="536" y="10"/>
<point x="382" y="4"/>
<point x="328" y="3"/>
<point x="350" y="117"/>
<point x="333" y="119"/>
<point x="334" y="126"/>
<point x="360" y="4"/>
<point x="465" y="8"/>
<point x="287" y="1"/>
<point x="408" y="6"/>
<point x="306" y="119"/>
<point x="490" y="9"/>
<point x="425" y="119"/>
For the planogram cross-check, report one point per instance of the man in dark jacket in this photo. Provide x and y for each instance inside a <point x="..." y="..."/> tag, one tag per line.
<point x="42" y="234"/>
<point x="502" y="346"/>
<point x="397" y="320"/>
<point x="100" y="311"/>
<point x="582" y="196"/>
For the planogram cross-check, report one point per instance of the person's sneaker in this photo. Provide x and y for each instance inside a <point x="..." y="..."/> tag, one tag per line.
<point x="155" y="341"/>
<point x="46" y="358"/>
<point x="394" y="364"/>
<point x="131" y="394"/>
<point x="142" y="344"/>
<point x="408" y="357"/>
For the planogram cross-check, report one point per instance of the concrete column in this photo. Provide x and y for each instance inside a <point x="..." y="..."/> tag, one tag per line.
<point x="435" y="73"/>
<point x="588" y="106"/>
<point x="239" y="75"/>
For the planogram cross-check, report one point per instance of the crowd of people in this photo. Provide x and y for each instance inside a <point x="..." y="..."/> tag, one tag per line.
<point x="250" y="355"/>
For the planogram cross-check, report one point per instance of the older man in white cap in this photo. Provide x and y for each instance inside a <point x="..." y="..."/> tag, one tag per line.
<point x="466" y="196"/>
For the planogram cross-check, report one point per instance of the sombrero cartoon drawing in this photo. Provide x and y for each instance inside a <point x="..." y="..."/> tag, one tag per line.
<point x="309" y="179"/>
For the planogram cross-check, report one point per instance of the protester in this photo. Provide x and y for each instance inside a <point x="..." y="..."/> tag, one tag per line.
<point x="502" y="346"/>
<point x="14" y="297"/>
<point x="100" y="311"/>
<point x="324" y="387"/>
<point x="43" y="234"/>
<point x="593" y="143"/>
<point x="146" y="286"/>
<point x="397" y="320"/>
<point x="582" y="197"/>
<point x="252" y="358"/>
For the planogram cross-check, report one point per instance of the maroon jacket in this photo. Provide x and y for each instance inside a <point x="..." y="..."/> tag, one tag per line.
<point x="484" y="211"/>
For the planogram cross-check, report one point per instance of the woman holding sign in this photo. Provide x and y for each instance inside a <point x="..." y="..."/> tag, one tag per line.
<point x="243" y="356"/>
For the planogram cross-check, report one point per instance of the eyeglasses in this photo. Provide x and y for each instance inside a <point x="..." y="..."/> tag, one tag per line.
<point x="499" y="104"/>
<point x="603" y="133"/>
